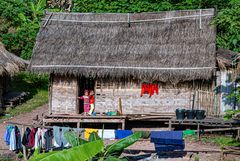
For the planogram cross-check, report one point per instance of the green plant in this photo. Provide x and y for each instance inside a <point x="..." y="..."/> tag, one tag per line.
<point x="221" y="141"/>
<point x="230" y="113"/>
<point x="196" y="157"/>
<point x="79" y="153"/>
<point x="20" y="155"/>
<point x="228" y="23"/>
<point x="91" y="149"/>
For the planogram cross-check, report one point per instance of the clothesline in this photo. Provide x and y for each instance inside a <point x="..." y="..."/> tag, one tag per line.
<point x="31" y="125"/>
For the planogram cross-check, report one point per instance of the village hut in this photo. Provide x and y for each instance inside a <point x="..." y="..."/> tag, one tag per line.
<point x="227" y="79"/>
<point x="9" y="65"/>
<point x="116" y="54"/>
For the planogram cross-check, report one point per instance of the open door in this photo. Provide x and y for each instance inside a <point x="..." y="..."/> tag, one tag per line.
<point x="84" y="84"/>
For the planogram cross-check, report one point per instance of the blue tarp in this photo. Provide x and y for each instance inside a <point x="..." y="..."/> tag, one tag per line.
<point x="167" y="137"/>
<point x="160" y="147"/>
<point x="167" y="140"/>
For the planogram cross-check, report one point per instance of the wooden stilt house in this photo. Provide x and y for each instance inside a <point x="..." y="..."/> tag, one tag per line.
<point x="9" y="65"/>
<point x="116" y="54"/>
<point x="227" y="79"/>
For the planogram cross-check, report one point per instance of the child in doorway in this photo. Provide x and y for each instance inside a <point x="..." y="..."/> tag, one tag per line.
<point x="86" y="105"/>
<point x="91" y="101"/>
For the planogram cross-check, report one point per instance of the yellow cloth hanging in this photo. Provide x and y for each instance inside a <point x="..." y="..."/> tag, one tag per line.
<point x="87" y="132"/>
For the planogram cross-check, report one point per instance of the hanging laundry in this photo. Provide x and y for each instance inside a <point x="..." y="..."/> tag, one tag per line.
<point x="107" y="134"/>
<point x="31" y="139"/>
<point x="120" y="134"/>
<point x="43" y="131"/>
<point x="38" y="138"/>
<point x="12" y="145"/>
<point x="149" y="89"/>
<point x="153" y="89"/>
<point x="12" y="137"/>
<point x="145" y="89"/>
<point x="79" y="131"/>
<point x="87" y="132"/>
<point x="25" y="137"/>
<point x="7" y="134"/>
<point x="18" y="138"/>
<point x="59" y="139"/>
<point x="48" y="136"/>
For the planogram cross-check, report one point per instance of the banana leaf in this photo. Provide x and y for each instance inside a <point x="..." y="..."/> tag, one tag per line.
<point x="117" y="148"/>
<point x="79" y="153"/>
<point x="93" y="137"/>
<point x="74" y="139"/>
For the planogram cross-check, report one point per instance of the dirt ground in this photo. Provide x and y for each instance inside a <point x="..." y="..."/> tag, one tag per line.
<point x="141" y="150"/>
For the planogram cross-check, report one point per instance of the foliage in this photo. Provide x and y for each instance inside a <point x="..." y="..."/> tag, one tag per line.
<point x="78" y="153"/>
<point x="230" y="113"/>
<point x="123" y="6"/>
<point x="24" y="17"/>
<point x="82" y="148"/>
<point x="37" y="88"/>
<point x="228" y="23"/>
<point x="118" y="147"/>
<point x="196" y="157"/>
<point x="26" y="81"/>
<point x="221" y="141"/>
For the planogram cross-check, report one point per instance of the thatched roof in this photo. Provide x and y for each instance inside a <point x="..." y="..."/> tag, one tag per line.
<point x="167" y="46"/>
<point x="227" y="59"/>
<point x="10" y="63"/>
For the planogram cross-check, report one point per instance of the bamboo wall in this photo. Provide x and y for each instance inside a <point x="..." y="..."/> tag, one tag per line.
<point x="64" y="92"/>
<point x="167" y="101"/>
<point x="63" y="95"/>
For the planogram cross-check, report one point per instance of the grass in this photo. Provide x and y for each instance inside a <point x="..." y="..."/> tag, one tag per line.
<point x="35" y="85"/>
<point x="39" y="99"/>
<point x="221" y="141"/>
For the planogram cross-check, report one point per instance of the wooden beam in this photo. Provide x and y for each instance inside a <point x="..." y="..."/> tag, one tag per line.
<point x="66" y="120"/>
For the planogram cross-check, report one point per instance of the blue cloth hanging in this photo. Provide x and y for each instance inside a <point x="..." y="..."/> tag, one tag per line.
<point x="120" y="134"/>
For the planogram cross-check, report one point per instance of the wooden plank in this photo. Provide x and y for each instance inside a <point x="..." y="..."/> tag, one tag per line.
<point x="65" y="120"/>
<point x="222" y="129"/>
<point x="85" y="117"/>
<point x="148" y="117"/>
<point x="206" y="125"/>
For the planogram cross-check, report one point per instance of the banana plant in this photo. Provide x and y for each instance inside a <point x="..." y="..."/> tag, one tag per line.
<point x="79" y="153"/>
<point x="93" y="148"/>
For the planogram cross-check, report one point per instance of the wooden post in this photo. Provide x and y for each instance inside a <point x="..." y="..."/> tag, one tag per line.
<point x="24" y="148"/>
<point x="123" y="124"/>
<point x="170" y="125"/>
<point x="198" y="130"/>
<point x="120" y="106"/>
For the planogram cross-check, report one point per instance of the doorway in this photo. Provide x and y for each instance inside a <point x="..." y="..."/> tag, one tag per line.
<point x="84" y="84"/>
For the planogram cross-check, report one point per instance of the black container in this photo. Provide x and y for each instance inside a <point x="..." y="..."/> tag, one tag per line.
<point x="200" y="114"/>
<point x="190" y="114"/>
<point x="180" y="114"/>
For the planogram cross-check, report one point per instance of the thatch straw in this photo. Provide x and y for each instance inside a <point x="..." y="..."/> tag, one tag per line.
<point x="226" y="58"/>
<point x="143" y="50"/>
<point x="10" y="63"/>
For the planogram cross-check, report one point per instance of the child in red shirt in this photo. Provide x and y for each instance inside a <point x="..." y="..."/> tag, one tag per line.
<point x="91" y="101"/>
